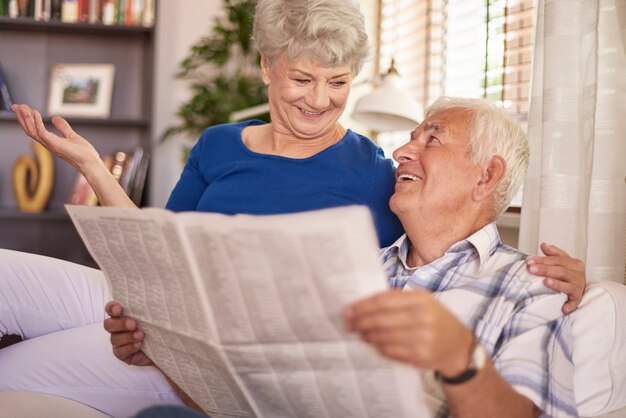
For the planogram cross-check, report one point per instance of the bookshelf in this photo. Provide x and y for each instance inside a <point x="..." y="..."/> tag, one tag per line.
<point x="28" y="50"/>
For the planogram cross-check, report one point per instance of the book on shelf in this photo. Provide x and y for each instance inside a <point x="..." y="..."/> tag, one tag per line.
<point x="5" y="97"/>
<point x="107" y="12"/>
<point x="244" y="312"/>
<point x="26" y="8"/>
<point x="69" y="11"/>
<point x="55" y="9"/>
<point x="134" y="176"/>
<point x="129" y="169"/>
<point x="81" y="192"/>
<point x="11" y="8"/>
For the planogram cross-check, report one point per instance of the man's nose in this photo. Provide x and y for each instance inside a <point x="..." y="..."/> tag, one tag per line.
<point x="407" y="152"/>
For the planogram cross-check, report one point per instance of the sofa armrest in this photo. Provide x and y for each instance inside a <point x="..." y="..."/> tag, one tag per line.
<point x="32" y="404"/>
<point x="599" y="349"/>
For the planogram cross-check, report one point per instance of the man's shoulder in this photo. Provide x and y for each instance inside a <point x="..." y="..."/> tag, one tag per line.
<point x="512" y="259"/>
<point x="510" y="263"/>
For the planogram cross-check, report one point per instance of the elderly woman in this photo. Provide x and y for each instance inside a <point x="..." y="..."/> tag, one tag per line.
<point x="303" y="160"/>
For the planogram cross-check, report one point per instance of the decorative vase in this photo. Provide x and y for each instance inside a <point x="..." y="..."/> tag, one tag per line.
<point x="33" y="179"/>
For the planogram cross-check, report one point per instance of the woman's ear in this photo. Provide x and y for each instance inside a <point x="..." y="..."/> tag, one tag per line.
<point x="491" y="176"/>
<point x="265" y="68"/>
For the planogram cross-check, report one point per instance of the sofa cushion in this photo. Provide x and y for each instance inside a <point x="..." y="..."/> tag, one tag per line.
<point x="599" y="349"/>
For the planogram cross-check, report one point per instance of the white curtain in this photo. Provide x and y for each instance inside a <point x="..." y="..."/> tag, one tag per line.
<point x="575" y="190"/>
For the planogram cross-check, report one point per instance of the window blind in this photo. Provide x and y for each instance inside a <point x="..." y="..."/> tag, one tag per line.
<point x="471" y="48"/>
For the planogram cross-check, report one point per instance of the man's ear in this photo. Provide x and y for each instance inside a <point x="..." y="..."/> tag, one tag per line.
<point x="265" y="68"/>
<point x="491" y="176"/>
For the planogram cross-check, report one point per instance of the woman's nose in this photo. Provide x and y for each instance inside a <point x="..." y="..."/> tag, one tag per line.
<point x="318" y="97"/>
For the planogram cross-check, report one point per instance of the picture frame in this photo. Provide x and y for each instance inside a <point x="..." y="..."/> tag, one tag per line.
<point x="81" y="90"/>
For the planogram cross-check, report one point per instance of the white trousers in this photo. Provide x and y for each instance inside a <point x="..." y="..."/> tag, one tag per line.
<point x="58" y="308"/>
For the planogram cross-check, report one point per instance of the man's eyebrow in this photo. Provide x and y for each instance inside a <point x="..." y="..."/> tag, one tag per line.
<point x="433" y="126"/>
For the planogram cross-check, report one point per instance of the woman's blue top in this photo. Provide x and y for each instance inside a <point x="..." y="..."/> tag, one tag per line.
<point x="222" y="175"/>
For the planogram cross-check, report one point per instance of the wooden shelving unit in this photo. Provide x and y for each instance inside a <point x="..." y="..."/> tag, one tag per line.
<point x="28" y="50"/>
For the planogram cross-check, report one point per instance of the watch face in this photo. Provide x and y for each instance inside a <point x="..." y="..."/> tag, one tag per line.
<point x="479" y="357"/>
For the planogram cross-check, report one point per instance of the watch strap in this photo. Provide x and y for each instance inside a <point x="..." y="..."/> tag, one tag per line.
<point x="458" y="379"/>
<point x="477" y="362"/>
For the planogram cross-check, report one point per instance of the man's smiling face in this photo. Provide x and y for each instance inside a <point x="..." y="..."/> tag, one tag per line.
<point x="435" y="175"/>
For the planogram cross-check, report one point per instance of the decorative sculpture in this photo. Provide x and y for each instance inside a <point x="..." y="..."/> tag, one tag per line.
<point x="33" y="179"/>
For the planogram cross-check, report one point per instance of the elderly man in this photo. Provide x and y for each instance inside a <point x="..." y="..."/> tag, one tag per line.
<point x="489" y="335"/>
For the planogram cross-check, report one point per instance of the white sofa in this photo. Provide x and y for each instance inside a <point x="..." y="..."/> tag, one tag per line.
<point x="599" y="352"/>
<point x="599" y="355"/>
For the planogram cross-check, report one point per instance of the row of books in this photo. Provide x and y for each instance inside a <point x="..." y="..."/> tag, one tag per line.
<point x="107" y="12"/>
<point x="129" y="169"/>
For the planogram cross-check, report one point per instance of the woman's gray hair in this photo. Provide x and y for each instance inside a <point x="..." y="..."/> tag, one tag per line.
<point x="331" y="32"/>
<point x="493" y="132"/>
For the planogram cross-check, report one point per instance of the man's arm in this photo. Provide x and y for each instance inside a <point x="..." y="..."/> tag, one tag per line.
<point x="415" y="328"/>
<point x="487" y="394"/>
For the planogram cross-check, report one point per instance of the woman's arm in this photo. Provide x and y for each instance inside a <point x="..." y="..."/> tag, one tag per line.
<point x="77" y="151"/>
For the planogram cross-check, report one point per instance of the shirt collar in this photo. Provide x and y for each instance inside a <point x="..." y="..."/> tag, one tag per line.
<point x="400" y="248"/>
<point x="485" y="241"/>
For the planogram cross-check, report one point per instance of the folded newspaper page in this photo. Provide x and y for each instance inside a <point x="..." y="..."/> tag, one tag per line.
<point x="244" y="312"/>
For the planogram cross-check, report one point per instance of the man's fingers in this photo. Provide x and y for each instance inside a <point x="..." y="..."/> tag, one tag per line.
<point x="398" y="352"/>
<point x="390" y="300"/>
<point x="396" y="319"/>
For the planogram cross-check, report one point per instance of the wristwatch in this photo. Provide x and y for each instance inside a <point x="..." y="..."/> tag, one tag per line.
<point x="478" y="358"/>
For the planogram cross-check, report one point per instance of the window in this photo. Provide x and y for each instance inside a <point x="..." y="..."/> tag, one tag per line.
<point x="471" y="48"/>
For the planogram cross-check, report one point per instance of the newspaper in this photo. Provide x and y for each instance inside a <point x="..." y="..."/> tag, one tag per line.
<point x="244" y="312"/>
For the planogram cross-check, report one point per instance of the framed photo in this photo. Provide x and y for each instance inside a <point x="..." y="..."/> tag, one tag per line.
<point x="81" y="90"/>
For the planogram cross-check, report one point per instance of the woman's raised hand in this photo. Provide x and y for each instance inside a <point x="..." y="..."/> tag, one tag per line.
<point x="71" y="147"/>
<point x="77" y="151"/>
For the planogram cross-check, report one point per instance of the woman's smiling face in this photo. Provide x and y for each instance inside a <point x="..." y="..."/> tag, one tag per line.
<point x="306" y="98"/>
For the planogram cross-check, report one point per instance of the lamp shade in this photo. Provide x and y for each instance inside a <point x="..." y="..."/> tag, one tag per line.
<point x="388" y="107"/>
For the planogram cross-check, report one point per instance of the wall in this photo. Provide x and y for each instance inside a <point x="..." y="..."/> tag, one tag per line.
<point x="179" y="24"/>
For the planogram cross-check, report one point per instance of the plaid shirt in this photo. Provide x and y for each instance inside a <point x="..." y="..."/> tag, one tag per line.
<point x="516" y="318"/>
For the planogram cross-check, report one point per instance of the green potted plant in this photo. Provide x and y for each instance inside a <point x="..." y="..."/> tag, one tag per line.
<point x="233" y="80"/>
